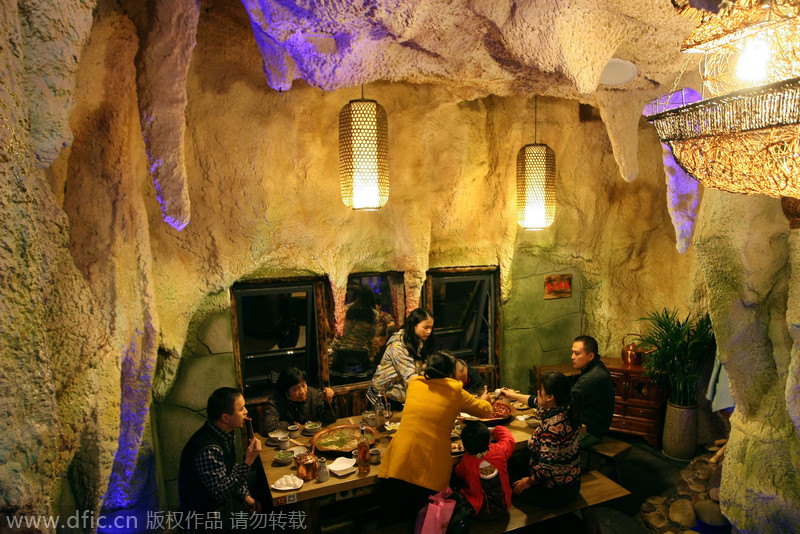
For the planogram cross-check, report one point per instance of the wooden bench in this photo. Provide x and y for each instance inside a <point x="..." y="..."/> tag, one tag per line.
<point x="612" y="450"/>
<point x="596" y="488"/>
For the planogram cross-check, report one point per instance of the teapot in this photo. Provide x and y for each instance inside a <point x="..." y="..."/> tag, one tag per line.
<point x="632" y="354"/>
<point x="307" y="466"/>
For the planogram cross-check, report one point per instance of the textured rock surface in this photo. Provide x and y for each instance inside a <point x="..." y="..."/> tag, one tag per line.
<point x="163" y="68"/>
<point x="101" y="299"/>
<point x="743" y="248"/>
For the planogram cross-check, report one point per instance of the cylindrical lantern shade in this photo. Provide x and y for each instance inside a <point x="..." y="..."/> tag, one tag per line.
<point x="536" y="187"/>
<point x="363" y="155"/>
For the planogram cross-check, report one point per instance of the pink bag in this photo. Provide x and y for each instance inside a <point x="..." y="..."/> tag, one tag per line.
<point x="435" y="516"/>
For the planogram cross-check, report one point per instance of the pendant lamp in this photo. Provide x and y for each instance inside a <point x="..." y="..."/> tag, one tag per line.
<point x="536" y="185"/>
<point x="363" y="155"/>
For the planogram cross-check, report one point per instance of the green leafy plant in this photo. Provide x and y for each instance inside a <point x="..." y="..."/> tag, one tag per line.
<point x="681" y="349"/>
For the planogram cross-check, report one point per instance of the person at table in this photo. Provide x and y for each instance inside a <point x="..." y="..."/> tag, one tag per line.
<point x="484" y="469"/>
<point x="555" y="473"/>
<point x="209" y="479"/>
<point x="593" y="389"/>
<point x="295" y="402"/>
<point x="358" y="333"/>
<point x="471" y="379"/>
<point x="385" y="328"/>
<point x="404" y="356"/>
<point x="418" y="461"/>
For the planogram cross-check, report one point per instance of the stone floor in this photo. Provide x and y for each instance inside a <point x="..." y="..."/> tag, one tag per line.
<point x="655" y="483"/>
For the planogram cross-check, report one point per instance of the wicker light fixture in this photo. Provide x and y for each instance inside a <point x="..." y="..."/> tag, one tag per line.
<point x="363" y="155"/>
<point x="536" y="184"/>
<point x="746" y="139"/>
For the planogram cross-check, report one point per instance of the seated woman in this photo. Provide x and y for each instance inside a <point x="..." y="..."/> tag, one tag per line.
<point x="418" y="462"/>
<point x="555" y="473"/>
<point x="353" y="350"/>
<point x="403" y="358"/>
<point x="295" y="402"/>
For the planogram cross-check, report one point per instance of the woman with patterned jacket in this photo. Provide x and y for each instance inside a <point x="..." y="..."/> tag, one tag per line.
<point x="404" y="357"/>
<point x="555" y="473"/>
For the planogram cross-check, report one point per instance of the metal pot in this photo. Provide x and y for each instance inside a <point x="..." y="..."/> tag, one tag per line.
<point x="632" y="354"/>
<point x="307" y="466"/>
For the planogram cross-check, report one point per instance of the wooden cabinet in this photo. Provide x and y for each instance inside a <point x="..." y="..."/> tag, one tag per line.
<point x="639" y="404"/>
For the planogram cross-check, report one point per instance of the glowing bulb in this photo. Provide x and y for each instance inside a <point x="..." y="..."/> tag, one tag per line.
<point x="753" y="61"/>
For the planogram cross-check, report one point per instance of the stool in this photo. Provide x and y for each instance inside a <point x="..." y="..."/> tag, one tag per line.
<point x="610" y="449"/>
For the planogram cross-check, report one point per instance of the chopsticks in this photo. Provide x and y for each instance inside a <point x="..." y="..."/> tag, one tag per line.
<point x="249" y="428"/>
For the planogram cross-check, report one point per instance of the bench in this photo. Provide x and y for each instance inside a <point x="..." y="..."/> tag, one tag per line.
<point x="610" y="449"/>
<point x="596" y="488"/>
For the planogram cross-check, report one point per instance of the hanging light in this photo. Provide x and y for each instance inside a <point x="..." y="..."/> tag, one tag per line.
<point x="746" y="138"/>
<point x="536" y="185"/>
<point x="363" y="154"/>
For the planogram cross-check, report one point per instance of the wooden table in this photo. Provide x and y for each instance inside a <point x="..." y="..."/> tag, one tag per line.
<point x="313" y="489"/>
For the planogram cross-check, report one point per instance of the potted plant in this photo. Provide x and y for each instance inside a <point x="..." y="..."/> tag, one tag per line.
<point x="681" y="349"/>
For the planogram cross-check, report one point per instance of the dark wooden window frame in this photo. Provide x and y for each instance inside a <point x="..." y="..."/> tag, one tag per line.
<point x="491" y="370"/>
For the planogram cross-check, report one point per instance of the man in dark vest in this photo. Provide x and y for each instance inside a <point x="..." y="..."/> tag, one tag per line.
<point x="593" y="389"/>
<point x="211" y="485"/>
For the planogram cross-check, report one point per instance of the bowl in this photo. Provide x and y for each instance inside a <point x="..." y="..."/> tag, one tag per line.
<point x="533" y="422"/>
<point x="284" y="457"/>
<point x="312" y="427"/>
<point x="342" y="466"/>
<point x="274" y="436"/>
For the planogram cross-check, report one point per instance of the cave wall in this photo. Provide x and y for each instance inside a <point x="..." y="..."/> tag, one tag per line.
<point x="103" y="301"/>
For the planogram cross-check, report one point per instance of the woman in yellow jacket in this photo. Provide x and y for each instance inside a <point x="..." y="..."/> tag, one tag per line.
<point x="417" y="462"/>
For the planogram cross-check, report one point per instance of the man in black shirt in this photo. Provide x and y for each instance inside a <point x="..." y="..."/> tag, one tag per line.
<point x="594" y="390"/>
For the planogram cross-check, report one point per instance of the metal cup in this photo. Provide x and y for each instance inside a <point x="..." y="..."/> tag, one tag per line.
<point x="375" y="456"/>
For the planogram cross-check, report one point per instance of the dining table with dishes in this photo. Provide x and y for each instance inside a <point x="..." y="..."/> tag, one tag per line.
<point x="310" y="462"/>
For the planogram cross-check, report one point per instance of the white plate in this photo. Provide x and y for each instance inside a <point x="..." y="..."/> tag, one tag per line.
<point x="343" y="473"/>
<point x="342" y="463"/>
<point x="297" y="483"/>
<point x="391" y="427"/>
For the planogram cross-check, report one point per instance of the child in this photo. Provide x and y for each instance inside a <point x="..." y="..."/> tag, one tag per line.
<point x="484" y="470"/>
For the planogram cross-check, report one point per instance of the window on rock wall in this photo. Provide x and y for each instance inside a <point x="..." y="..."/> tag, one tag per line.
<point x="275" y="326"/>
<point x="354" y="355"/>
<point x="464" y="304"/>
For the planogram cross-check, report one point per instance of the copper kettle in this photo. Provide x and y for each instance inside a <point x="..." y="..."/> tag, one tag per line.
<point x="307" y="466"/>
<point x="632" y="354"/>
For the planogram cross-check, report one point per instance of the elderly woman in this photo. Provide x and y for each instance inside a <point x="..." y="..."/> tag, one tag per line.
<point x="296" y="402"/>
<point x="418" y="463"/>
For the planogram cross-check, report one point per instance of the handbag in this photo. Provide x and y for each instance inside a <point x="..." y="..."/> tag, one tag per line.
<point x="462" y="515"/>
<point x="372" y="395"/>
<point x="435" y="516"/>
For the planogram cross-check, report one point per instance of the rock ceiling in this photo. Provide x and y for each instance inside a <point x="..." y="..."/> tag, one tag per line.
<point x="477" y="47"/>
<point x="474" y="48"/>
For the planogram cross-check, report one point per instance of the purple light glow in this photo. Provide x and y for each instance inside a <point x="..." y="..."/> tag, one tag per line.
<point x="128" y="476"/>
<point x="682" y="189"/>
